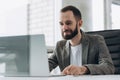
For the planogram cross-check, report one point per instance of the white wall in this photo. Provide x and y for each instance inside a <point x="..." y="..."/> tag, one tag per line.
<point x="13" y="17"/>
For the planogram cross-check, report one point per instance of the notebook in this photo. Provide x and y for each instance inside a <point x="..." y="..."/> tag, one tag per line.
<point x="24" y="55"/>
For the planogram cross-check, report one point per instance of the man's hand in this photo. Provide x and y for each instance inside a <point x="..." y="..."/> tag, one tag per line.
<point x="74" y="70"/>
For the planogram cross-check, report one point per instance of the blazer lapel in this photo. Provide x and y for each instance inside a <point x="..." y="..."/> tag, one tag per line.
<point x="66" y="55"/>
<point x="85" y="47"/>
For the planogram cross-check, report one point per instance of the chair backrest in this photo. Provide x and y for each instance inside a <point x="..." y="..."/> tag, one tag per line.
<point x="112" y="39"/>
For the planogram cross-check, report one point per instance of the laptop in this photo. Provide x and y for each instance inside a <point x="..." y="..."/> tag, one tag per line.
<point x="24" y="55"/>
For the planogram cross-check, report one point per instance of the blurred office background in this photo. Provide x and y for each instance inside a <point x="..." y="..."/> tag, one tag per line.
<point x="20" y="17"/>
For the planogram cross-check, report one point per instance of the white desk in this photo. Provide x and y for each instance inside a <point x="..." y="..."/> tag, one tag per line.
<point x="84" y="77"/>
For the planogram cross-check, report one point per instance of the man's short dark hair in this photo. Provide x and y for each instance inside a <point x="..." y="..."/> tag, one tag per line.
<point x="75" y="11"/>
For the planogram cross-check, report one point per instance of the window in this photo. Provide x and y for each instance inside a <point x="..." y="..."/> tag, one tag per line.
<point x="115" y="16"/>
<point x="44" y="19"/>
<point x="98" y="14"/>
<point x="41" y="19"/>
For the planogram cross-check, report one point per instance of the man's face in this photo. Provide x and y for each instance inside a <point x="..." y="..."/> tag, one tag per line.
<point x="69" y="27"/>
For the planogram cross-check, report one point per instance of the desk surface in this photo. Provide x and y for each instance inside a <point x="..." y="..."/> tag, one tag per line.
<point x="82" y="77"/>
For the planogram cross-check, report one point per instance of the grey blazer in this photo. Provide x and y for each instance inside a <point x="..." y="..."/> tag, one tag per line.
<point x="95" y="55"/>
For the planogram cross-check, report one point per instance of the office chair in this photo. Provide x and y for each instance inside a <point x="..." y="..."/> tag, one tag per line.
<point x="112" y="39"/>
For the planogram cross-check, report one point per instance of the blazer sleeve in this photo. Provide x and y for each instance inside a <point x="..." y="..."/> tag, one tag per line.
<point x="105" y="64"/>
<point x="52" y="62"/>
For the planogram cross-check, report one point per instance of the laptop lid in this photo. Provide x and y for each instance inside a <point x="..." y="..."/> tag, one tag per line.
<point x="38" y="56"/>
<point x="24" y="55"/>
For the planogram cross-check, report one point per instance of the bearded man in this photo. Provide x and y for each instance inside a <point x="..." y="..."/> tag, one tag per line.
<point x="79" y="53"/>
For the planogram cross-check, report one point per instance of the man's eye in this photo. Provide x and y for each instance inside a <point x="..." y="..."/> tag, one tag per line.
<point x="61" y="23"/>
<point x="68" y="23"/>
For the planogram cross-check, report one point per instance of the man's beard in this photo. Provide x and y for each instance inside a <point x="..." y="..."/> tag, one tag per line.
<point x="70" y="36"/>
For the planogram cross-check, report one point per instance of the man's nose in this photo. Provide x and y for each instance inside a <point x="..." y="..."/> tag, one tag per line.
<point x="65" y="27"/>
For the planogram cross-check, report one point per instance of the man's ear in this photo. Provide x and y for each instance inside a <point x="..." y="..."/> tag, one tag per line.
<point x="80" y="22"/>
